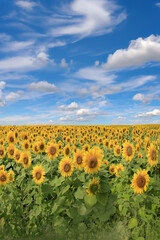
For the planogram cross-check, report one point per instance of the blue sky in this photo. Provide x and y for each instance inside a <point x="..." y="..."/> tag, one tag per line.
<point x="79" y="62"/>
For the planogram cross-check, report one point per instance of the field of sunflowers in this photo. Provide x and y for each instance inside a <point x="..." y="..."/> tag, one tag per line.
<point x="80" y="182"/>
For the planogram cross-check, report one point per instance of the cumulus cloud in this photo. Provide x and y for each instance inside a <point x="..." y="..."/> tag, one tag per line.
<point x="43" y="86"/>
<point x="155" y="112"/>
<point x="89" y="17"/>
<point x="143" y="98"/>
<point x="139" y="52"/>
<point x="71" y="107"/>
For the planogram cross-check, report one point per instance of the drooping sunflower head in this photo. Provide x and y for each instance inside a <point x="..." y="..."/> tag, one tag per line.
<point x="152" y="155"/>
<point x="93" y="187"/>
<point x="78" y="159"/>
<point x="66" y="167"/>
<point x="119" y="168"/>
<point x="128" y="151"/>
<point x="93" y="160"/>
<point x="38" y="174"/>
<point x="140" y="181"/>
<point x="26" y="159"/>
<point x="3" y="177"/>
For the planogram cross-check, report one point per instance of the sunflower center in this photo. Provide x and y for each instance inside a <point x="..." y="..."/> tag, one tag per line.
<point x="67" y="167"/>
<point x="112" y="169"/>
<point x="11" y="152"/>
<point x="17" y="156"/>
<point x="3" y="178"/>
<point x="38" y="175"/>
<point x="1" y="152"/>
<point x="94" y="188"/>
<point x="118" y="151"/>
<point x="25" y="160"/>
<point x="26" y="146"/>
<point x="42" y="146"/>
<point x="86" y="149"/>
<point x="52" y="150"/>
<point x="141" y="181"/>
<point x="111" y="145"/>
<point x="67" y="151"/>
<point x="154" y="155"/>
<point x="92" y="163"/>
<point x="11" y="139"/>
<point x="129" y="151"/>
<point x="16" y="135"/>
<point x="79" y="159"/>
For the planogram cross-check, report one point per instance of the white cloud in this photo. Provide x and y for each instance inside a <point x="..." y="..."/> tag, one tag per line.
<point x="139" y="52"/>
<point x="143" y="98"/>
<point x="71" y="107"/>
<point x="43" y="86"/>
<point x="27" y="5"/>
<point x="24" y="63"/>
<point x="15" y="46"/>
<point x="120" y="118"/>
<point x="155" y="112"/>
<point x="158" y="4"/>
<point x="63" y="63"/>
<point x="95" y="74"/>
<point x="13" y="96"/>
<point x="89" y="17"/>
<point x="84" y="112"/>
<point x="96" y="63"/>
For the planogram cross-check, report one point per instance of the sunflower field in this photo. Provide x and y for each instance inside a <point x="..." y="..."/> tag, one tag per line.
<point x="80" y="182"/>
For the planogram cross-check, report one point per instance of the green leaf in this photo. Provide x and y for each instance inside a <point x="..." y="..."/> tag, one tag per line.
<point x="65" y="189"/>
<point x="79" y="194"/>
<point x="102" y="198"/>
<point x="81" y="177"/>
<point x="82" y="210"/>
<point x="90" y="201"/>
<point x="54" y="208"/>
<point x="132" y="223"/>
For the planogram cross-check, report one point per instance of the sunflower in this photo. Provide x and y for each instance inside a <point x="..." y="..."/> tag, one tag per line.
<point x="93" y="187"/>
<point x="1" y="167"/>
<point x="26" y="145"/>
<point x="10" y="137"/>
<point x="35" y="148"/>
<point x="26" y="159"/>
<point x="78" y="159"/>
<point x="111" y="144"/>
<point x="106" y="143"/>
<point x="10" y="150"/>
<point x="106" y="162"/>
<point x="140" y="181"/>
<point x="2" y="152"/>
<point x="67" y="150"/>
<point x="119" y="167"/>
<point x="86" y="147"/>
<point x="11" y="176"/>
<point x="152" y="155"/>
<point x="117" y="151"/>
<point x="3" y="177"/>
<point x="41" y="146"/>
<point x="52" y="151"/>
<point x="17" y="156"/>
<point x="112" y="169"/>
<point x="66" y="167"/>
<point x="92" y="160"/>
<point x="128" y="151"/>
<point x="38" y="174"/>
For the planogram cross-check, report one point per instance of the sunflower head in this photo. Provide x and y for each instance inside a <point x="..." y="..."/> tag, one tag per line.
<point x="10" y="151"/>
<point x="128" y="151"/>
<point x="67" y="150"/>
<point x="66" y="167"/>
<point x="119" y="168"/>
<point x="93" y="187"/>
<point x="2" y="152"/>
<point x="52" y="151"/>
<point x="93" y="160"/>
<point x="3" y="177"/>
<point x="38" y="174"/>
<point x="78" y="159"/>
<point x="152" y="155"/>
<point x="117" y="151"/>
<point x="11" y="176"/>
<point x="17" y="155"/>
<point x="26" y="159"/>
<point x="140" y="181"/>
<point x="112" y="169"/>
